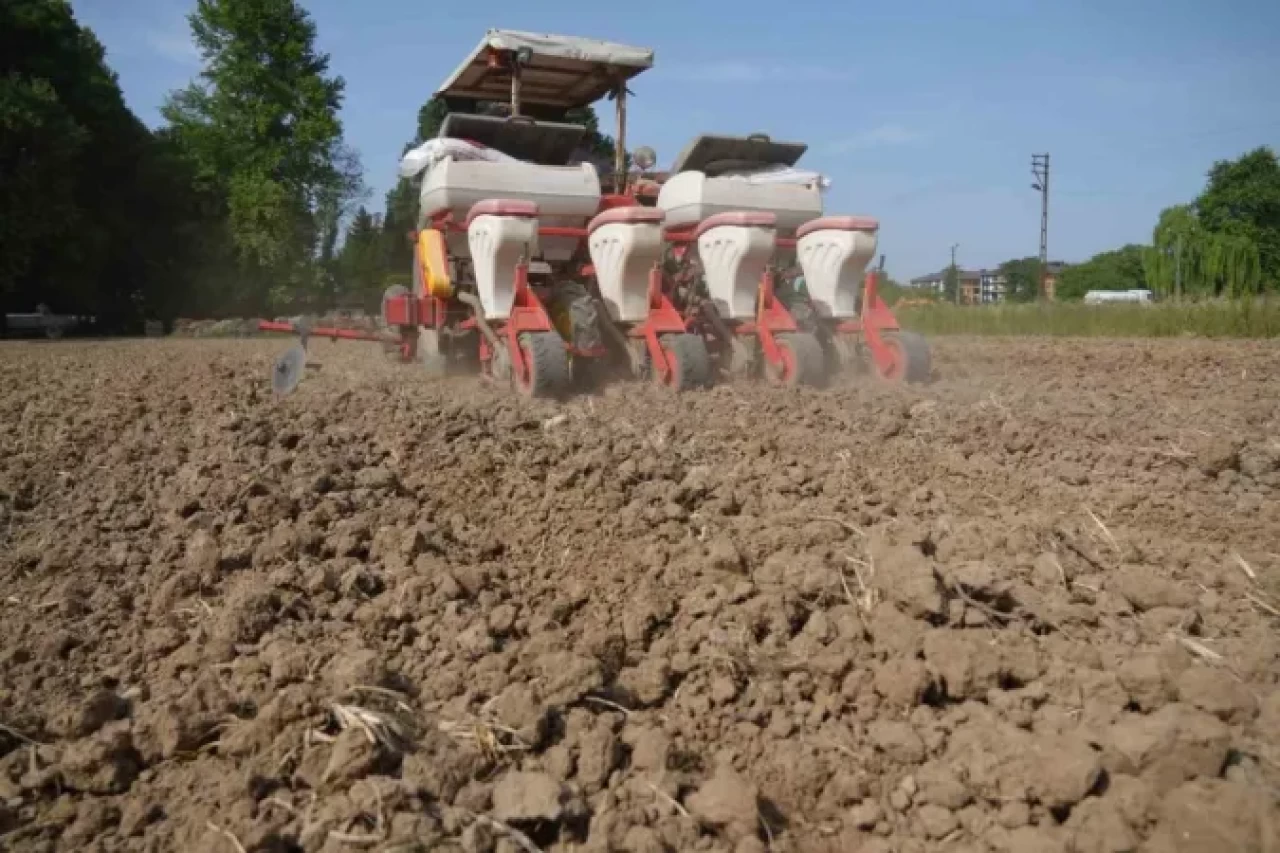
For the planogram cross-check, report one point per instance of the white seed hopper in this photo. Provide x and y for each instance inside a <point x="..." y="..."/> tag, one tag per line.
<point x="701" y="184"/>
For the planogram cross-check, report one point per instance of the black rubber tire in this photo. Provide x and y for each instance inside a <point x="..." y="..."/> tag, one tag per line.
<point x="549" y="372"/>
<point x="914" y="349"/>
<point x="589" y="374"/>
<point x="810" y="360"/>
<point x="691" y="363"/>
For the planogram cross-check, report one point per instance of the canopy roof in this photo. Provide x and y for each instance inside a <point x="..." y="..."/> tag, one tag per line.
<point x="563" y="71"/>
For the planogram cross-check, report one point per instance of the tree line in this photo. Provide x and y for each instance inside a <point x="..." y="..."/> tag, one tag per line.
<point x="1224" y="243"/>
<point x="247" y="201"/>
<point x="233" y="206"/>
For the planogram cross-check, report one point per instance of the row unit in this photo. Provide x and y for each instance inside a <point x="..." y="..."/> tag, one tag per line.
<point x="626" y="243"/>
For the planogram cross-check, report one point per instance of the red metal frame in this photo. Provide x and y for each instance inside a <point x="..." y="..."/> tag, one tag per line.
<point x="527" y="315"/>
<point x="446" y="223"/>
<point x="331" y="332"/>
<point x="772" y="318"/>
<point x="875" y="319"/>
<point x="678" y="235"/>
<point x="663" y="319"/>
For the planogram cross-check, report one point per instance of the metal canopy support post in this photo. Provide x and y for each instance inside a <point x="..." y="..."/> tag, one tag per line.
<point x="515" y="85"/>
<point x="620" y="147"/>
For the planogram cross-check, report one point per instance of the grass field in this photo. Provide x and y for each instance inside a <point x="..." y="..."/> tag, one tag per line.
<point x="1254" y="318"/>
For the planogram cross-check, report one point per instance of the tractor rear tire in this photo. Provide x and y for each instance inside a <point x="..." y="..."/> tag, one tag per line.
<point x="549" y="372"/>
<point x="690" y="362"/>
<point x="807" y="362"/>
<point x="912" y="360"/>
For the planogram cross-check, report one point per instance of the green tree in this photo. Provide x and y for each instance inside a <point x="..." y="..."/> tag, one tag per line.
<point x="600" y="147"/>
<point x="1021" y="279"/>
<point x="362" y="262"/>
<point x="951" y="283"/>
<point x="401" y="202"/>
<point x="1187" y="259"/>
<point x="261" y="128"/>
<point x="431" y="116"/>
<point x="94" y="212"/>
<point x="337" y="200"/>
<point x="1242" y="199"/>
<point x="1119" y="269"/>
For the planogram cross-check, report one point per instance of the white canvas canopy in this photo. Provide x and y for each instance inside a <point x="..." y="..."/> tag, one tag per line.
<point x="563" y="71"/>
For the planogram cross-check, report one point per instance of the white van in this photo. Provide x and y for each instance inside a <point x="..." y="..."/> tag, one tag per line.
<point x="1099" y="297"/>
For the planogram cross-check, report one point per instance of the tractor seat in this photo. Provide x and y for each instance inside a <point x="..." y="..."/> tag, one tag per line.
<point x="502" y="207"/>
<point x="737" y="219"/>
<point x="838" y="223"/>
<point x="627" y="216"/>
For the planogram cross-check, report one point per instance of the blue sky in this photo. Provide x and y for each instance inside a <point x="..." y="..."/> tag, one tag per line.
<point x="924" y="114"/>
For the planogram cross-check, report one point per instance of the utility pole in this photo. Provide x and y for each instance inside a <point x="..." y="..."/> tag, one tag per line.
<point x="1040" y="169"/>
<point x="955" y="271"/>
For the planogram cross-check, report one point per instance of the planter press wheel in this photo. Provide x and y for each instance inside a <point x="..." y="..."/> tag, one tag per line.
<point x="843" y="352"/>
<point x="689" y="360"/>
<point x="910" y="358"/>
<point x="803" y="361"/>
<point x="547" y="372"/>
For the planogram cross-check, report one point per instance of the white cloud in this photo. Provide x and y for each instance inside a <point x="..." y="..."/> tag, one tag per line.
<point x="175" y="46"/>
<point x="881" y="136"/>
<point x="743" y="71"/>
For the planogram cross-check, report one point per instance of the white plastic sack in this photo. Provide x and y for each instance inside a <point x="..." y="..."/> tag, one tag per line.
<point x="433" y="151"/>
<point x="781" y="175"/>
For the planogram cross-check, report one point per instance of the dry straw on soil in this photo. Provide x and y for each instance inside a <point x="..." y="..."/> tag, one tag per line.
<point x="1031" y="606"/>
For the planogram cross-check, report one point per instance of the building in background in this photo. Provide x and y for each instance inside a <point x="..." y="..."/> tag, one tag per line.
<point x="986" y="286"/>
<point x="976" y="286"/>
<point x="1053" y="272"/>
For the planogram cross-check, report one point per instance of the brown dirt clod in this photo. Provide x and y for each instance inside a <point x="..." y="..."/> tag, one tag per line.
<point x="1021" y="609"/>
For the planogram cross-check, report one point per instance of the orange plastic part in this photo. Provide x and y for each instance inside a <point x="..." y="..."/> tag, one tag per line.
<point x="435" y="264"/>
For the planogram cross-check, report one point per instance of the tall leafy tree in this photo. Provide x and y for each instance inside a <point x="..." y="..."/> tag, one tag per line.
<point x="1242" y="200"/>
<point x="1188" y="259"/>
<point x="93" y="210"/>
<point x="401" y="203"/>
<point x="1119" y="269"/>
<point x="1021" y="279"/>
<point x="362" y="264"/>
<point x="336" y="201"/>
<point x="261" y="127"/>
<point x="951" y="283"/>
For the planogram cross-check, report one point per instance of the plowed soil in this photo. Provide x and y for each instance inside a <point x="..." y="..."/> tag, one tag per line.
<point x="1031" y="606"/>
